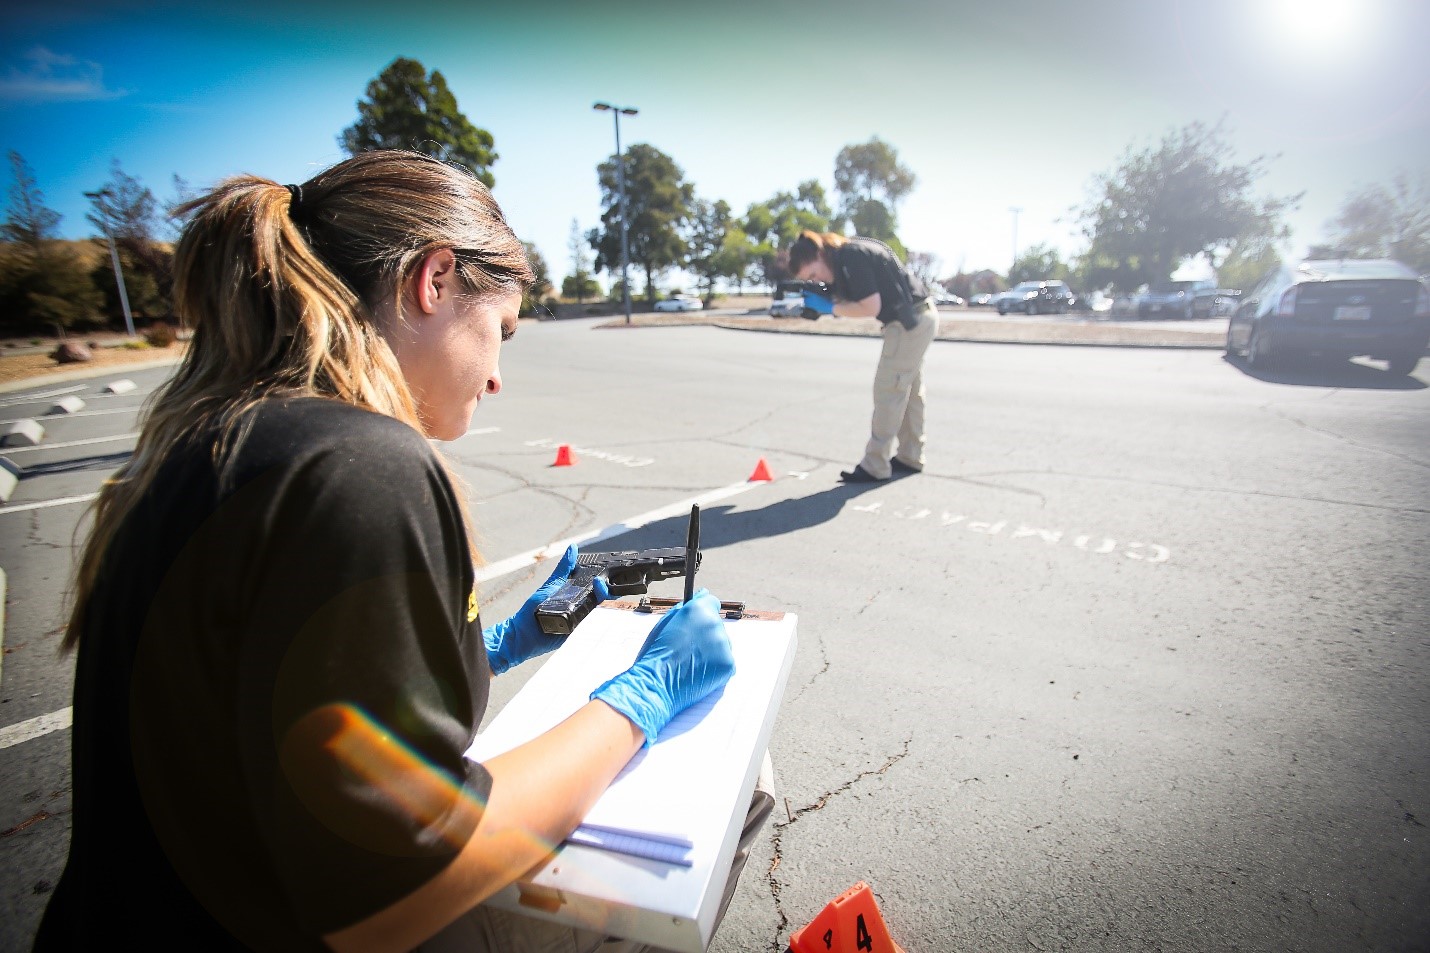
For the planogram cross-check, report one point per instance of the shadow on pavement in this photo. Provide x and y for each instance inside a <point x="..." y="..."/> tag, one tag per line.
<point x="719" y="526"/>
<point x="1330" y="374"/>
<point x="104" y="461"/>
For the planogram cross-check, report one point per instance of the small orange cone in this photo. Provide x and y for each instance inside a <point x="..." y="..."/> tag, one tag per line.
<point x="564" y="456"/>
<point x="762" y="472"/>
<point x="850" y="923"/>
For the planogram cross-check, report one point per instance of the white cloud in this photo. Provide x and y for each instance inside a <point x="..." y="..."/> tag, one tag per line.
<point x="46" y="76"/>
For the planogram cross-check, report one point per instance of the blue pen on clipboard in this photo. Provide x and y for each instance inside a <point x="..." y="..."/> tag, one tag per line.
<point x="692" y="551"/>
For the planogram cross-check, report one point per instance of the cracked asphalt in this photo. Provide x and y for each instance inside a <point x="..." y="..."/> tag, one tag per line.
<point x="1139" y="663"/>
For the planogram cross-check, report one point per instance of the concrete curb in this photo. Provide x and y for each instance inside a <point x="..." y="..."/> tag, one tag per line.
<point x="959" y="329"/>
<point x="80" y="374"/>
<point x="1030" y="337"/>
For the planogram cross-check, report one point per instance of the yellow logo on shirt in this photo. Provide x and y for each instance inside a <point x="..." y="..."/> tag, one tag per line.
<point x="472" y="609"/>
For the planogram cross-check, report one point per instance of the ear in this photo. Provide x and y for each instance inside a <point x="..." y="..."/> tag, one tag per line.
<point x="435" y="282"/>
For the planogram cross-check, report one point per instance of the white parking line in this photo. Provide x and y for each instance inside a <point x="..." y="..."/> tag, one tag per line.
<point x="83" y="413"/>
<point x="20" y="507"/>
<point x="36" y="727"/>
<point x="70" y="443"/>
<point x="43" y="395"/>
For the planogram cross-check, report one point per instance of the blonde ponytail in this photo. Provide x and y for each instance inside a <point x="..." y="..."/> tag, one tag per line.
<point x="282" y="286"/>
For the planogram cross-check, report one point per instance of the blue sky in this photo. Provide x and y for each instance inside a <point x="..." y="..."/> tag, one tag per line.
<point x="993" y="106"/>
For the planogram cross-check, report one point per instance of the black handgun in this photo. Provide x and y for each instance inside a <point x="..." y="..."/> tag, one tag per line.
<point x="626" y="574"/>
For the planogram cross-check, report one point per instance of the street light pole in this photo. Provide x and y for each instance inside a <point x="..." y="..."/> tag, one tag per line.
<point x="114" y="259"/>
<point x="616" y="112"/>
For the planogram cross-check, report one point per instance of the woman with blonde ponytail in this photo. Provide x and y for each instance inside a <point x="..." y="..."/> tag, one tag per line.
<point x="280" y="655"/>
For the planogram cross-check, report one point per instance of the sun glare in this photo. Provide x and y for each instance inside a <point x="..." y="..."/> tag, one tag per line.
<point x="1322" y="29"/>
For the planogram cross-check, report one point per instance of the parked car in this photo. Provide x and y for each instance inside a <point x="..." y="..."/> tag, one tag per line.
<point x="1222" y="301"/>
<point x="946" y="298"/>
<point x="679" y="302"/>
<point x="1337" y="309"/>
<point x="1180" y="299"/>
<point x="981" y="300"/>
<point x="1037" y="297"/>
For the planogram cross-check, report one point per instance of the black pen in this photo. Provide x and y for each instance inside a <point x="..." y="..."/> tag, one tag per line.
<point x="692" y="551"/>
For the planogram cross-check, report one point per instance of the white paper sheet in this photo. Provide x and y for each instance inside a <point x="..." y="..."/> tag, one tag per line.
<point x="665" y="787"/>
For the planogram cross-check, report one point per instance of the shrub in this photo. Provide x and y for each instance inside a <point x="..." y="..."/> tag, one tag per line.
<point x="160" y="334"/>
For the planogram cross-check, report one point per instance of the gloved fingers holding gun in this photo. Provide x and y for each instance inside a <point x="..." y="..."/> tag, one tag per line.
<point x="520" y="638"/>
<point x="818" y="303"/>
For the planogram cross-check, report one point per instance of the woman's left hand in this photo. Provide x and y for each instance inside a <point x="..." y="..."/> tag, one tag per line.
<point x="520" y="638"/>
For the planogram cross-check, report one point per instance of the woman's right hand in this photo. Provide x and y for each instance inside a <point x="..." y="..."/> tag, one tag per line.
<point x="686" y="657"/>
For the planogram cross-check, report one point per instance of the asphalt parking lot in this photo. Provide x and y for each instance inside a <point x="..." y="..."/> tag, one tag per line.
<point x="1139" y="663"/>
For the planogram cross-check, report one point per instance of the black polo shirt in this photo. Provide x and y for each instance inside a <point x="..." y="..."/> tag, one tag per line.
<point x="864" y="266"/>
<point x="319" y="568"/>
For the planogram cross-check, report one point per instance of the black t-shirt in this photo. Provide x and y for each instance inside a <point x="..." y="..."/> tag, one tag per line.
<point x="864" y="266"/>
<point x="267" y="633"/>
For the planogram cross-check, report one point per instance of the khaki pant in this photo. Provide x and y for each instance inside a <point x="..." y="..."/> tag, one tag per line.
<point x="488" y="930"/>
<point x="899" y="396"/>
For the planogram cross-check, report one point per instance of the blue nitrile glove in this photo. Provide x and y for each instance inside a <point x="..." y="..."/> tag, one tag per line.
<point x="818" y="302"/>
<point x="520" y="638"/>
<point x="686" y="657"/>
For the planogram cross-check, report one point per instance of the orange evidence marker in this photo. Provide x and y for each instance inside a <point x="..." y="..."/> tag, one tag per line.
<point x="564" y="456"/>
<point x="762" y="472"/>
<point x="850" y="923"/>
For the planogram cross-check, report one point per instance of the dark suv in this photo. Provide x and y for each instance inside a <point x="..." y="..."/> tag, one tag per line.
<point x="1037" y="297"/>
<point x="1337" y="309"/>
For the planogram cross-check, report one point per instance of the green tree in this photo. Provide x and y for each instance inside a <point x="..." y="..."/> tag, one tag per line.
<point x="1247" y="264"/>
<point x="772" y="225"/>
<point x="183" y="193"/>
<point x="873" y="219"/>
<point x="871" y="183"/>
<point x="580" y="287"/>
<point x="126" y="212"/>
<point x="1166" y="204"/>
<point x="706" y="231"/>
<point x="541" y="287"/>
<point x="28" y="220"/>
<point x="146" y="283"/>
<point x="926" y="265"/>
<point x="408" y="108"/>
<point x="123" y="208"/>
<point x="1383" y="221"/>
<point x="1036" y="264"/>
<point x="579" y="284"/>
<point x="658" y="203"/>
<point x="735" y="256"/>
<point x="46" y="287"/>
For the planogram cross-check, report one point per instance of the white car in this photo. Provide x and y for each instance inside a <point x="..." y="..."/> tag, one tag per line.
<point x="680" y="303"/>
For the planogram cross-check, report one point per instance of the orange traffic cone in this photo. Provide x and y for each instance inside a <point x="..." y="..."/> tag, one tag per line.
<point x="564" y="456"/>
<point x="762" y="472"/>
<point x="851" y="923"/>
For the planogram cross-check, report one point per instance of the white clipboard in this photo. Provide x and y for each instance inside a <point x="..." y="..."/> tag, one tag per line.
<point x="693" y="785"/>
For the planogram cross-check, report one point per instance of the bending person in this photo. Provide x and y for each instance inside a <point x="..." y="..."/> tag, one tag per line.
<point x="868" y="281"/>
<point x="280" y="655"/>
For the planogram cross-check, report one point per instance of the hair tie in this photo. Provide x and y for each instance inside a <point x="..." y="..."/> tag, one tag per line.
<point x="295" y="203"/>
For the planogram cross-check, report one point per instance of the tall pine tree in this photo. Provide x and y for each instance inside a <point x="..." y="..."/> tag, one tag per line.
<point x="408" y="108"/>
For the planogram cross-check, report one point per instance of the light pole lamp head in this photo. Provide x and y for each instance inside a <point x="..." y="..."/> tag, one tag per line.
<point x="602" y="107"/>
<point x="628" y="111"/>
